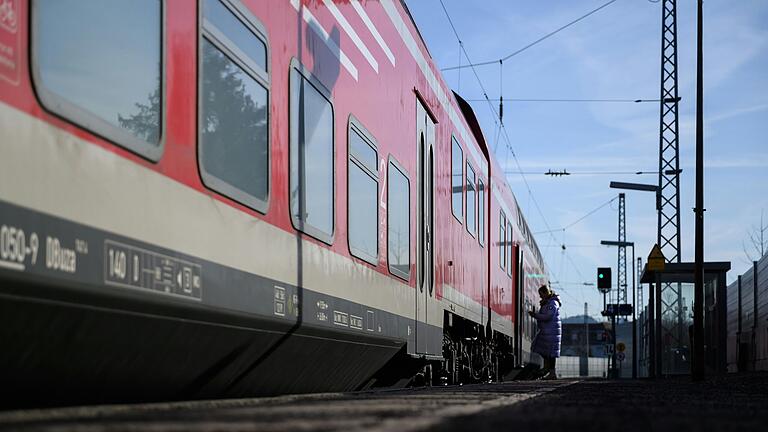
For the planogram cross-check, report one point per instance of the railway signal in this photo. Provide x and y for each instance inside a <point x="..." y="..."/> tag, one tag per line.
<point x="604" y="279"/>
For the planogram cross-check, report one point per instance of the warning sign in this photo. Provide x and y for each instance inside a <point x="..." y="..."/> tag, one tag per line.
<point x="656" y="259"/>
<point x="9" y="40"/>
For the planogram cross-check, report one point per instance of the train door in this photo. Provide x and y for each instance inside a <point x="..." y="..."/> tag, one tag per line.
<point x="519" y="304"/>
<point x="425" y="136"/>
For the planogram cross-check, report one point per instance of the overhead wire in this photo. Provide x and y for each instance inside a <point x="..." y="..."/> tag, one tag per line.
<point x="537" y="41"/>
<point x="496" y="117"/>
<point x="501" y="127"/>
<point x="583" y="173"/>
<point x="572" y="100"/>
<point x="590" y="213"/>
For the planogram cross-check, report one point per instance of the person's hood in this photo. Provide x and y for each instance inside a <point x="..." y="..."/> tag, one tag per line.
<point x="557" y="299"/>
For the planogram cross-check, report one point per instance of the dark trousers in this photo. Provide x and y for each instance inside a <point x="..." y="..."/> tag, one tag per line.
<point x="549" y="362"/>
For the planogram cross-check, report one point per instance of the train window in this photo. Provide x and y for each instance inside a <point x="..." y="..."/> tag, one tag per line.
<point x="234" y="107"/>
<point x="457" y="179"/>
<point x="509" y="247"/>
<point x="471" y="204"/>
<point x="363" y="187"/>
<point x="398" y="221"/>
<point x="502" y="240"/>
<point x="311" y="156"/>
<point x="481" y="212"/>
<point x="237" y="27"/>
<point x="106" y="76"/>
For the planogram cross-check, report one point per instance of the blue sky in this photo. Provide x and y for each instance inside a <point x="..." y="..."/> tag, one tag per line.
<point x="614" y="54"/>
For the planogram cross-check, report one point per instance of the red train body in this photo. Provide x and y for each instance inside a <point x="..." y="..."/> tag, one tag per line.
<point x="190" y="212"/>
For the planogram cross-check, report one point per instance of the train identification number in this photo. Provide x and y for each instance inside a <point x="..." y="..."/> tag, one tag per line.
<point x="16" y="249"/>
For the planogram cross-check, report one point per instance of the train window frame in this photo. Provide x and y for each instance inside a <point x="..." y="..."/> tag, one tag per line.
<point x="471" y="230"/>
<point x="209" y="32"/>
<point x="455" y="144"/>
<point x="481" y="211"/>
<point x="355" y="126"/>
<point x="510" y="239"/>
<point x="314" y="82"/>
<point x="82" y="118"/>
<point x="502" y="240"/>
<point x="393" y="163"/>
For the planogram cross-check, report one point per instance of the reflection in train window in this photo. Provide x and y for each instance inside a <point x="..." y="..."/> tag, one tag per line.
<point x="311" y="157"/>
<point x="509" y="247"/>
<point x="105" y="76"/>
<point x="398" y="221"/>
<point x="224" y="23"/>
<point x="481" y="212"/>
<point x="363" y="187"/>
<point x="471" y="204"/>
<point x="234" y="96"/>
<point x="502" y="240"/>
<point x="457" y="179"/>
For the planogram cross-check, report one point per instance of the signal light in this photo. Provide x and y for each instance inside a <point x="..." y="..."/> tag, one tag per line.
<point x="604" y="279"/>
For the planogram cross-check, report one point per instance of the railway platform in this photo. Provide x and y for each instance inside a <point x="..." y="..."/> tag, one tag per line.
<point x="731" y="402"/>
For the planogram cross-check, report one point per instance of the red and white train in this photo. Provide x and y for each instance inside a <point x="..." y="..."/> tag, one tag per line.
<point x="243" y="197"/>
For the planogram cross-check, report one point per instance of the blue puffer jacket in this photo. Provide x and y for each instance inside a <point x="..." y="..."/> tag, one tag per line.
<point x="547" y="340"/>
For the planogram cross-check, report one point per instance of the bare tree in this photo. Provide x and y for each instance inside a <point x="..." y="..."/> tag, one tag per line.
<point x="757" y="244"/>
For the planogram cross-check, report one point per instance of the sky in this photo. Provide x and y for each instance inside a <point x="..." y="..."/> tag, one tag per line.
<point x="614" y="54"/>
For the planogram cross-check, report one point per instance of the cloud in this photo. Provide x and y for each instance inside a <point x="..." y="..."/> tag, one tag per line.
<point x="738" y="112"/>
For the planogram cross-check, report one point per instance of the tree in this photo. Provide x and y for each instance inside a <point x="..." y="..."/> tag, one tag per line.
<point x="145" y="123"/>
<point x="756" y="244"/>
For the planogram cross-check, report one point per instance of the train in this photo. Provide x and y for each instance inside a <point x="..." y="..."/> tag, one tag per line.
<point x="230" y="198"/>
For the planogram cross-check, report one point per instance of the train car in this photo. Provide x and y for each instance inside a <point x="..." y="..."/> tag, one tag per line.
<point x="225" y="198"/>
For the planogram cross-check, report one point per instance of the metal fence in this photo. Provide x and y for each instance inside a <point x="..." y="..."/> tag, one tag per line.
<point x="747" y="324"/>
<point x="571" y="367"/>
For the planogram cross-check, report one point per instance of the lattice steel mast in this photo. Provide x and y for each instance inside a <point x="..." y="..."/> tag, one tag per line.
<point x="669" y="173"/>
<point x="621" y="281"/>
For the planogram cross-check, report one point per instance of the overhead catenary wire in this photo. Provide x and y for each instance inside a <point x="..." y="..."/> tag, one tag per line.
<point x="583" y="172"/>
<point x="500" y="125"/>
<point x="537" y="41"/>
<point x="590" y="213"/>
<point x="474" y="72"/>
<point x="567" y="100"/>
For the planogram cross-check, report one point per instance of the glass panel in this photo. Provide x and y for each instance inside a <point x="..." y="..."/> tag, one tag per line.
<point x="362" y="151"/>
<point x="236" y="31"/>
<point x="509" y="247"/>
<point x="471" y="205"/>
<point x="363" y="216"/>
<point x="398" y="224"/>
<point x="234" y="125"/>
<point x="676" y="343"/>
<point x="457" y="179"/>
<point x="502" y="241"/>
<point x="110" y="67"/>
<point x="311" y="156"/>
<point x="481" y="212"/>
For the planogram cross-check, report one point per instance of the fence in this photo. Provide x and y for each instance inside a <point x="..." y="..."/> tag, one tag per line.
<point x="747" y="324"/>
<point x="570" y="367"/>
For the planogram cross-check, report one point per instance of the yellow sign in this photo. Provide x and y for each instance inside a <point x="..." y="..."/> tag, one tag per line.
<point x="620" y="347"/>
<point x="656" y="259"/>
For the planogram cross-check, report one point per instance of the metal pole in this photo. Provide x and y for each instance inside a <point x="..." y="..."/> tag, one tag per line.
<point x="698" y="313"/>
<point x="586" y="338"/>
<point x="658" y="347"/>
<point x="634" y="320"/>
<point x="651" y="330"/>
<point x="615" y="369"/>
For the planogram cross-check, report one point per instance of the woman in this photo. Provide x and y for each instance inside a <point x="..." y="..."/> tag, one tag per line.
<point x="547" y="340"/>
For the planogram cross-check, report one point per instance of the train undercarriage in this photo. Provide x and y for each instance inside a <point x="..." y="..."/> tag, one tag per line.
<point x="473" y="353"/>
